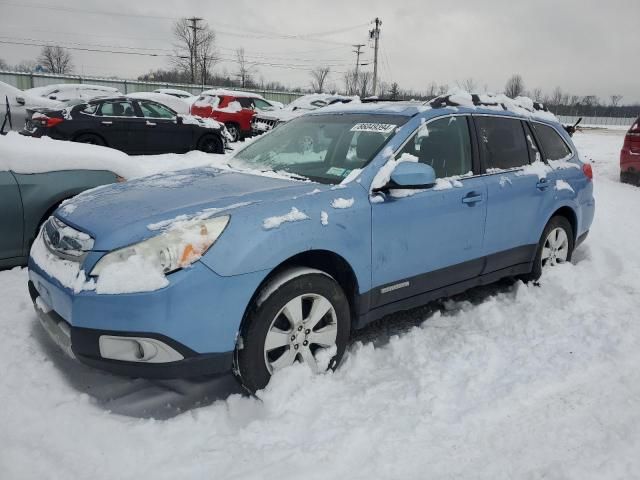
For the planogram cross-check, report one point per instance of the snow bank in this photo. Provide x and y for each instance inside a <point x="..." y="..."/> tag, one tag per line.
<point x="294" y="215"/>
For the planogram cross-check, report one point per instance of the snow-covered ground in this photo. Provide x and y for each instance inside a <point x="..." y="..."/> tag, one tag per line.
<point x="509" y="381"/>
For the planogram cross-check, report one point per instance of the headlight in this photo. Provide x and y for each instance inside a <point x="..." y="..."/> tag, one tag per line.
<point x="175" y="248"/>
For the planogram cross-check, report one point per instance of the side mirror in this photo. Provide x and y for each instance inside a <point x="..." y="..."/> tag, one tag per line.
<point x="52" y="97"/>
<point x="409" y="175"/>
<point x="20" y="101"/>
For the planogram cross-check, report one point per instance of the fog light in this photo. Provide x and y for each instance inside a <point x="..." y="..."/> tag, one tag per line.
<point x="134" y="349"/>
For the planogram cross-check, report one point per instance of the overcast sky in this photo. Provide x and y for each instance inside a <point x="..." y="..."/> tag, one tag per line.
<point x="587" y="47"/>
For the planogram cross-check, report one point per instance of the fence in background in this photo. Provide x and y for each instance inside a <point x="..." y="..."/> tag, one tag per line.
<point x="598" y="121"/>
<point x="24" y="81"/>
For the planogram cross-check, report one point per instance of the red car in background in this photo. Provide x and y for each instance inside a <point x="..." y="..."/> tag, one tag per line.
<point x="630" y="155"/>
<point x="234" y="109"/>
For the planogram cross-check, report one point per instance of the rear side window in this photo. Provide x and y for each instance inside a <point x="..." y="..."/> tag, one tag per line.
<point x="502" y="143"/>
<point x="117" y="108"/>
<point x="552" y="144"/>
<point x="444" y="144"/>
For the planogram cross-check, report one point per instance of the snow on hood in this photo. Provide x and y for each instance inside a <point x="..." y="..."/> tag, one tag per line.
<point x="120" y="214"/>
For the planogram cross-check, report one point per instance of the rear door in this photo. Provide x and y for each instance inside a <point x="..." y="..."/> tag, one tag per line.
<point x="517" y="192"/>
<point x="163" y="134"/>
<point x="121" y="125"/>
<point x="427" y="239"/>
<point x="11" y="222"/>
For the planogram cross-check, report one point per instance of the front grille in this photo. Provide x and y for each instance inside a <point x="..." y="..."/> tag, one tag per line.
<point x="64" y="241"/>
<point x="264" y="124"/>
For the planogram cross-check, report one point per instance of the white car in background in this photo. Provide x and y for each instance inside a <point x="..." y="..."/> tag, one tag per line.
<point x="174" y="92"/>
<point x="177" y="104"/>
<point x="64" y="92"/>
<point x="19" y="101"/>
<point x="265" y="121"/>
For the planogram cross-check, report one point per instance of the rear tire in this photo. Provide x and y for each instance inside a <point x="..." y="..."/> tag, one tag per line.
<point x="234" y="131"/>
<point x="555" y="246"/>
<point x="91" y="139"/>
<point x="289" y="325"/>
<point x="209" y="143"/>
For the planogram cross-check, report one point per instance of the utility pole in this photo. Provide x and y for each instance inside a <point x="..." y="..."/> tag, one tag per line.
<point x="193" y="51"/>
<point x="375" y="36"/>
<point x="357" y="52"/>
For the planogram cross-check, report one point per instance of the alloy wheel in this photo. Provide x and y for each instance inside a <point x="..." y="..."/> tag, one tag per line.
<point x="556" y="247"/>
<point x="305" y="326"/>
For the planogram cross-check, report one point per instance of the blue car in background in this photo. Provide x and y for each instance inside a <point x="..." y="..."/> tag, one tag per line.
<point x="325" y="224"/>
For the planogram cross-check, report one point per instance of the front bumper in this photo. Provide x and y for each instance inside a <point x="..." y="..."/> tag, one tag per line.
<point x="83" y="344"/>
<point x="192" y="323"/>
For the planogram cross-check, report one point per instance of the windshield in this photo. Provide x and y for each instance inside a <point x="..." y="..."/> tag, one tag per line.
<point x="323" y="148"/>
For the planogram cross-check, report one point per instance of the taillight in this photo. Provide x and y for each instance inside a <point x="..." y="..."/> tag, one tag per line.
<point x="588" y="172"/>
<point x="45" y="121"/>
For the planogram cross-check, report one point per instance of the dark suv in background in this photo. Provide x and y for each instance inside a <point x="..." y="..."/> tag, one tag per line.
<point x="134" y="126"/>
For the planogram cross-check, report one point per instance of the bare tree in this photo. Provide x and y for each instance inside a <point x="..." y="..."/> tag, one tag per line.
<point x="318" y="78"/>
<point x="468" y="84"/>
<point x="365" y="82"/>
<point x="3" y="65"/>
<point x="55" y="59"/>
<point x="442" y="89"/>
<point x="244" y="67"/>
<point x="556" y="97"/>
<point x="514" y="86"/>
<point x="350" y="82"/>
<point x="194" y="48"/>
<point x="536" y="94"/>
<point x="615" y="100"/>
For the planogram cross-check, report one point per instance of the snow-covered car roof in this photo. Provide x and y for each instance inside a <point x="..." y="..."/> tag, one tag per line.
<point x="173" y="91"/>
<point x="29" y="100"/>
<point x="231" y="93"/>
<point x="44" y="90"/>
<point x="305" y="104"/>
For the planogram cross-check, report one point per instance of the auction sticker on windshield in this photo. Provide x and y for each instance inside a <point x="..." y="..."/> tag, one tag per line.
<point x="373" y="127"/>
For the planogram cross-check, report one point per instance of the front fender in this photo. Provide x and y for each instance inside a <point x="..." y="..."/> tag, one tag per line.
<point x="248" y="246"/>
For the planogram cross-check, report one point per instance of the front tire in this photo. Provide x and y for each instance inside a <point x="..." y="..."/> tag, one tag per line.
<point x="306" y="319"/>
<point x="555" y="247"/>
<point x="210" y="144"/>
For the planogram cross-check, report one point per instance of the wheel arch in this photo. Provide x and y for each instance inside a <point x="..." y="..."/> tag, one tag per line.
<point x="89" y="132"/>
<point x="570" y="214"/>
<point x="324" y="260"/>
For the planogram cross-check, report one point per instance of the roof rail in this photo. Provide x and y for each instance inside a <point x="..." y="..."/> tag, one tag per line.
<point x="446" y="101"/>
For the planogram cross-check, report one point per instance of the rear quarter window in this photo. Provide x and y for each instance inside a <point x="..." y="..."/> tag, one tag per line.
<point x="502" y="143"/>
<point x="553" y="146"/>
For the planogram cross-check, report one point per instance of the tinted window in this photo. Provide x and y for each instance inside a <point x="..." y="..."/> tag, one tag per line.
<point x="552" y="144"/>
<point x="155" y="110"/>
<point x="502" y="142"/>
<point x="444" y="144"/>
<point x="118" y="108"/>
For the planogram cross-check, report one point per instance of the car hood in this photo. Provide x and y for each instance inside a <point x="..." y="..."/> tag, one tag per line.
<point x="121" y="214"/>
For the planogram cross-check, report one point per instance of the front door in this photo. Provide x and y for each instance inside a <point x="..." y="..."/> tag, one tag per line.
<point x="163" y="133"/>
<point x="427" y="239"/>
<point x="121" y="126"/>
<point x="11" y="223"/>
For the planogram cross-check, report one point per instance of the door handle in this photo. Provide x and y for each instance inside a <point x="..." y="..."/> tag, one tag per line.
<point x="150" y="124"/>
<point x="542" y="184"/>
<point x="472" y="198"/>
<point x="106" y="123"/>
